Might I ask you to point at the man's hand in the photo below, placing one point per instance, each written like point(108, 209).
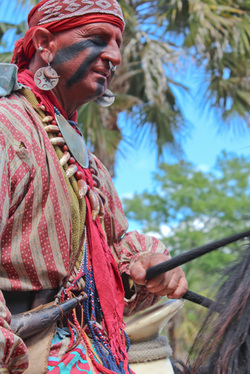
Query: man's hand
point(172, 283)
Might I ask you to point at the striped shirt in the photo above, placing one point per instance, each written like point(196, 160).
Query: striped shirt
point(36, 221)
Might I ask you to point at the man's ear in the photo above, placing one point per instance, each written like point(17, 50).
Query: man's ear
point(43, 43)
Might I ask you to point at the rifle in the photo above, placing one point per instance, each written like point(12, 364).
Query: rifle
point(30, 323)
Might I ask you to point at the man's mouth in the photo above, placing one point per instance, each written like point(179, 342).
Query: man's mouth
point(101, 72)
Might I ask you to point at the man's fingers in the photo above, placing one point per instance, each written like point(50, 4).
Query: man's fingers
point(181, 289)
point(173, 284)
point(158, 284)
point(138, 270)
point(167, 285)
point(138, 273)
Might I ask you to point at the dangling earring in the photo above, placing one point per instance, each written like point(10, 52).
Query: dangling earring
point(106, 99)
point(46, 78)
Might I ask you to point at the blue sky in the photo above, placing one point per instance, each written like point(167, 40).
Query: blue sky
point(135, 165)
point(10, 11)
point(207, 137)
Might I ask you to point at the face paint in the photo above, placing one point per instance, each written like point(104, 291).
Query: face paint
point(100, 83)
point(83, 69)
point(81, 60)
point(66, 54)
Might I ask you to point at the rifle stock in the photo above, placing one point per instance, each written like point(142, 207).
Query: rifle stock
point(30, 323)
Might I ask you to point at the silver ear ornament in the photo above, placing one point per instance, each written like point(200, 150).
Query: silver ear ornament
point(106, 99)
point(46, 78)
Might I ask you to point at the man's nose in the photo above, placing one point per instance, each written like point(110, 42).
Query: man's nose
point(112, 53)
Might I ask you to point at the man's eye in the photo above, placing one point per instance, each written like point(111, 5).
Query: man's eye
point(97, 39)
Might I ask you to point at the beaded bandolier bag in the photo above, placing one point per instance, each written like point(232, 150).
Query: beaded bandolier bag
point(91, 258)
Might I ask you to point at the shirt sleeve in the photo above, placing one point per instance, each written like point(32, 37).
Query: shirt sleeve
point(13, 352)
point(127, 247)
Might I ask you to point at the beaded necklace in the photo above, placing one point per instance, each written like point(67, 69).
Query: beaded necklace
point(73, 146)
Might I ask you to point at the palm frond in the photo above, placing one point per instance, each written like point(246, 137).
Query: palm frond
point(159, 36)
point(5, 57)
point(95, 132)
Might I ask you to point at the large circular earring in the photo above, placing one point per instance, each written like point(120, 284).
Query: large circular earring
point(106, 99)
point(46, 78)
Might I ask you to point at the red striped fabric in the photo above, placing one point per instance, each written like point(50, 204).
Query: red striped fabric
point(36, 222)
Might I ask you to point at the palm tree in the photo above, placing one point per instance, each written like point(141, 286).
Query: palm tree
point(215, 34)
point(143, 90)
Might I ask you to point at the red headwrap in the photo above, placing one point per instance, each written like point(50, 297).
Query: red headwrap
point(61, 15)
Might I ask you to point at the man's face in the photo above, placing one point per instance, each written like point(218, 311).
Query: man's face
point(82, 58)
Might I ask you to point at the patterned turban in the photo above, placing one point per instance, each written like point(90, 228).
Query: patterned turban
point(61, 15)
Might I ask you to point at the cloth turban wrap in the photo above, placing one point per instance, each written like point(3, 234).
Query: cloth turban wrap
point(61, 15)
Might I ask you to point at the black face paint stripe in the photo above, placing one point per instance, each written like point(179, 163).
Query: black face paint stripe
point(67, 53)
point(100, 83)
point(84, 67)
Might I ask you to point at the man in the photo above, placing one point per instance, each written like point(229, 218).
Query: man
point(62, 226)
